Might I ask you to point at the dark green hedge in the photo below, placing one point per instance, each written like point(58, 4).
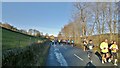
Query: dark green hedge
point(33, 55)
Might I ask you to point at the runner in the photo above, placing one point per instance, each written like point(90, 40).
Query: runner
point(59, 41)
point(55, 42)
point(109, 59)
point(114, 49)
point(104, 50)
point(68, 42)
point(72, 42)
point(90, 46)
point(85, 44)
point(52, 42)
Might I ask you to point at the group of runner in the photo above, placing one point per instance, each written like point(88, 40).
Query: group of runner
point(108, 51)
point(68, 42)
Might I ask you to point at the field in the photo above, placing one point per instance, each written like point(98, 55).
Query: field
point(12, 39)
point(19, 49)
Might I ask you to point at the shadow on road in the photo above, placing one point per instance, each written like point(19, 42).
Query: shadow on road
point(90, 65)
point(99, 56)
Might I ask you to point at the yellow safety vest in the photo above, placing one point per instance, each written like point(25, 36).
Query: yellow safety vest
point(58, 40)
point(104, 47)
point(114, 48)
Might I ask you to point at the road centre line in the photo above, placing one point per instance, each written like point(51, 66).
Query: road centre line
point(78, 57)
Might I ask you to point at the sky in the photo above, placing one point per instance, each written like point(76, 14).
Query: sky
point(47, 17)
point(60, 0)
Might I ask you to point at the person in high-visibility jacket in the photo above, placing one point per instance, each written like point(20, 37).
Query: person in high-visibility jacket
point(114, 49)
point(104, 51)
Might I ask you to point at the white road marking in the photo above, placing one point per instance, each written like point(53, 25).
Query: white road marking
point(78, 57)
point(60, 57)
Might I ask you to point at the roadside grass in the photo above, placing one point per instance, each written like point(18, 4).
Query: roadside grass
point(11, 39)
point(23, 50)
point(119, 56)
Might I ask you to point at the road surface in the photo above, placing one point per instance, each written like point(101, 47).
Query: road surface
point(66, 55)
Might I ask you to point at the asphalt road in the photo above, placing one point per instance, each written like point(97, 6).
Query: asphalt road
point(66, 55)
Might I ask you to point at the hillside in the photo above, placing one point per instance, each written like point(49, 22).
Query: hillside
point(13, 39)
point(22, 49)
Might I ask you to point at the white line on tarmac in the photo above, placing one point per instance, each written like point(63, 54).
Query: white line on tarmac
point(78, 57)
point(60, 57)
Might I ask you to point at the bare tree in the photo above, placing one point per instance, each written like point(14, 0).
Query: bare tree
point(90, 19)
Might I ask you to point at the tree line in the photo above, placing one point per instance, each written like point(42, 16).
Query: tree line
point(32, 32)
point(91, 18)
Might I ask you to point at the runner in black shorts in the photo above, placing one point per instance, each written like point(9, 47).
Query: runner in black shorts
point(104, 50)
point(85, 44)
point(90, 46)
point(114, 49)
point(109, 59)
